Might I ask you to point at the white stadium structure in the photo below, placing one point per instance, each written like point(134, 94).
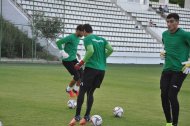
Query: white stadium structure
point(124, 23)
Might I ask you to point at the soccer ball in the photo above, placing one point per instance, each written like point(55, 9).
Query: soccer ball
point(72, 104)
point(96, 120)
point(118, 111)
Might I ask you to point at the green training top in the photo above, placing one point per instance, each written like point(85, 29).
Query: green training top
point(97, 50)
point(177, 47)
point(70, 46)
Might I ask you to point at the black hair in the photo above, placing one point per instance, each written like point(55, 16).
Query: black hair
point(173, 15)
point(80, 28)
point(87, 28)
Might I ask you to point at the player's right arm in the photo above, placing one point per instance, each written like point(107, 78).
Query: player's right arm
point(62, 41)
point(88, 54)
point(60, 44)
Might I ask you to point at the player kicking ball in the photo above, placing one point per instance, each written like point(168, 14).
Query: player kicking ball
point(97, 50)
point(69, 59)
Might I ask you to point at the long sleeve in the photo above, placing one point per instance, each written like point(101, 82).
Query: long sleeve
point(89, 52)
point(62, 41)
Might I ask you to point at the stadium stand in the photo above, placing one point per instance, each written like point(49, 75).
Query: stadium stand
point(173, 8)
point(131, 44)
point(145, 16)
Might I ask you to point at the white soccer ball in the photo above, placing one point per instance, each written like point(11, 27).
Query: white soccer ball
point(118, 111)
point(72, 104)
point(96, 120)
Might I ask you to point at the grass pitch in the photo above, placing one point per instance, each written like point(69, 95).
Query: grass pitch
point(34, 95)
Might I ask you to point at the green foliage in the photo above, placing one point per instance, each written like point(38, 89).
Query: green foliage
point(181, 3)
point(48, 28)
point(17, 44)
point(45, 26)
point(14, 42)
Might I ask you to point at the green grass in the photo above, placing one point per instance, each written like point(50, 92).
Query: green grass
point(34, 95)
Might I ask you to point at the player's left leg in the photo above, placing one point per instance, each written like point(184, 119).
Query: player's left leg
point(69, 66)
point(78, 77)
point(88, 79)
point(77, 83)
point(176, 83)
point(69, 88)
point(95, 82)
point(73, 86)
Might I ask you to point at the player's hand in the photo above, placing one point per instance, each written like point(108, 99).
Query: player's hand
point(79, 65)
point(186, 68)
point(163, 54)
point(64, 54)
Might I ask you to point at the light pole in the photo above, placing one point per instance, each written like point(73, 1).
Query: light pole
point(33, 33)
point(64, 18)
point(33, 30)
point(34, 37)
point(1, 29)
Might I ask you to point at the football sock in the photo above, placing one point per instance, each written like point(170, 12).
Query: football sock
point(68, 88)
point(72, 83)
point(77, 118)
point(168, 124)
point(76, 88)
point(87, 118)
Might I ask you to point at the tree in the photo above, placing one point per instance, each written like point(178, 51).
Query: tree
point(47, 27)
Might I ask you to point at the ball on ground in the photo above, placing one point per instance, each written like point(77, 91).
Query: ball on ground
point(96, 120)
point(72, 104)
point(118, 111)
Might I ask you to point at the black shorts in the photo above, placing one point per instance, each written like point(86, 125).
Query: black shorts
point(171, 78)
point(93, 77)
point(69, 65)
